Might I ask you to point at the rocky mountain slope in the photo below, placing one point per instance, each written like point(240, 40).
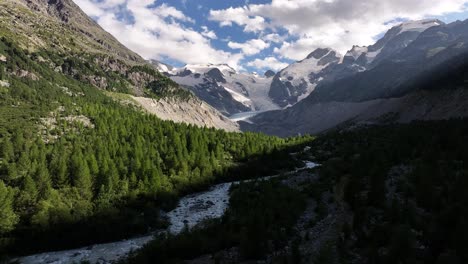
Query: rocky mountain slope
point(299, 79)
point(191, 111)
point(70, 42)
point(37, 20)
point(323, 66)
point(417, 76)
point(224, 88)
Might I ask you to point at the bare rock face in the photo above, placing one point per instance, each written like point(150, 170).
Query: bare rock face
point(4, 84)
point(67, 13)
point(316, 118)
point(25, 74)
point(415, 72)
point(140, 78)
point(299, 79)
point(58, 8)
point(93, 56)
point(97, 81)
point(269, 74)
point(193, 112)
point(222, 87)
point(323, 66)
point(111, 64)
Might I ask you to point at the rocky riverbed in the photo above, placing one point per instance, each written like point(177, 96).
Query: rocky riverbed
point(191, 210)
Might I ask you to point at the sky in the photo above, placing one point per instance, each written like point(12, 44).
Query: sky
point(256, 35)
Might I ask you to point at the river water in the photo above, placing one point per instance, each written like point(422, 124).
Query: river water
point(191, 210)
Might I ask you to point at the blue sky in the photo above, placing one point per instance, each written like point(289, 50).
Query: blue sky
point(255, 35)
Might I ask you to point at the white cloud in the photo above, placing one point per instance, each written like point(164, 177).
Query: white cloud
point(251, 47)
point(268, 63)
point(169, 11)
point(240, 16)
point(112, 3)
point(90, 8)
point(208, 33)
point(273, 37)
point(294, 27)
point(152, 35)
point(338, 24)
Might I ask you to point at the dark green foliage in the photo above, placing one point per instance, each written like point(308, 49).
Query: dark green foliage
point(104, 180)
point(259, 221)
point(8, 218)
point(159, 85)
point(406, 185)
point(165, 87)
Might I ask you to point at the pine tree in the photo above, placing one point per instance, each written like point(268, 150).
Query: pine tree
point(28, 196)
point(7, 151)
point(24, 164)
point(93, 165)
point(43, 181)
point(12, 172)
point(8, 218)
point(81, 176)
point(112, 183)
point(59, 171)
point(2, 71)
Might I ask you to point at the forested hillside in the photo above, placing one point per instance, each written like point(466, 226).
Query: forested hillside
point(384, 194)
point(73, 160)
point(63, 38)
point(405, 191)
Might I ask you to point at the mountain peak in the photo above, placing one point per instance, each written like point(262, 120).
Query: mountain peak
point(418, 25)
point(356, 52)
point(161, 67)
point(319, 53)
point(203, 68)
point(54, 14)
point(63, 10)
point(269, 73)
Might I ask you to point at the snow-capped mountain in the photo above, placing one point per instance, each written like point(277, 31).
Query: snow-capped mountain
point(298, 80)
point(396, 39)
point(233, 92)
point(161, 67)
point(224, 88)
point(417, 71)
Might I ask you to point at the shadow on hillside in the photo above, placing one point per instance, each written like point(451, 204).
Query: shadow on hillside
point(139, 215)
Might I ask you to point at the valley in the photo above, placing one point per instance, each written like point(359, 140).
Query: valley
point(186, 153)
point(191, 210)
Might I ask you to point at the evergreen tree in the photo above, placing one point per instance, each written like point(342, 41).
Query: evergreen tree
point(81, 176)
point(28, 196)
point(59, 171)
point(7, 152)
point(43, 181)
point(8, 218)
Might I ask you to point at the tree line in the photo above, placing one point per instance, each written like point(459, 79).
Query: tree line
point(90, 178)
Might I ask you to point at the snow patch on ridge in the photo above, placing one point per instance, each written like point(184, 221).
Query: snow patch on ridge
point(239, 97)
point(372, 55)
point(419, 26)
point(356, 52)
point(204, 68)
point(249, 89)
point(300, 70)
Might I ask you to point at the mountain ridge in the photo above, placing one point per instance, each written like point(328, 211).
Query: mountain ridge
point(227, 90)
point(62, 36)
point(289, 89)
point(397, 82)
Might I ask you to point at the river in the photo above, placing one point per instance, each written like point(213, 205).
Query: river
point(191, 210)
